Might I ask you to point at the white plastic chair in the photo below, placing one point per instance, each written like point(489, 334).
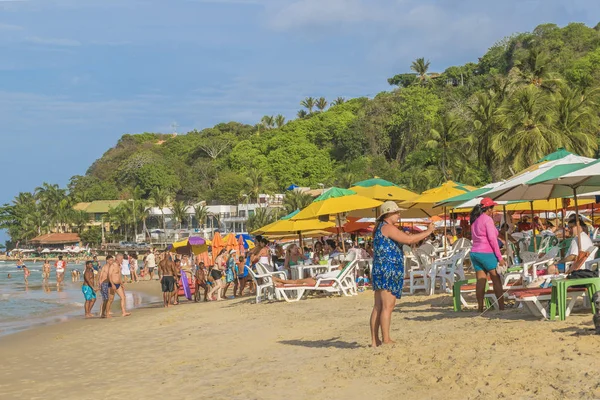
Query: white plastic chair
point(264, 281)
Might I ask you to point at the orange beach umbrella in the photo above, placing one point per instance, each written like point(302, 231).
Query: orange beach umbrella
point(217, 245)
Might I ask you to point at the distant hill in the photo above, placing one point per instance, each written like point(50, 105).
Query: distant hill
point(530, 94)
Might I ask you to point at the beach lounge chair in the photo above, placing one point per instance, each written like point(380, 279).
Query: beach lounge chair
point(537, 300)
point(264, 281)
point(344, 284)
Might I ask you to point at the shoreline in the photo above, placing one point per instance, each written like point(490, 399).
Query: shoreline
point(150, 292)
point(318, 347)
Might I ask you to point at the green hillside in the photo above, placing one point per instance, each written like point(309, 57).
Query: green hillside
point(530, 94)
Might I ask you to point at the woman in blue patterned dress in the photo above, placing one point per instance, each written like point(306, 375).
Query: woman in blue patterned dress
point(387, 274)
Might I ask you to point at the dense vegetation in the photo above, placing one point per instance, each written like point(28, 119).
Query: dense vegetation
point(528, 95)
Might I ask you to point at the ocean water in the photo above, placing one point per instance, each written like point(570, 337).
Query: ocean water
point(25, 306)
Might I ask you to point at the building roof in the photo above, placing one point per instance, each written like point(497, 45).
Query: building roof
point(81, 206)
point(98, 206)
point(57, 238)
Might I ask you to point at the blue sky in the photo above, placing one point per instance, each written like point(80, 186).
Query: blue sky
point(77, 74)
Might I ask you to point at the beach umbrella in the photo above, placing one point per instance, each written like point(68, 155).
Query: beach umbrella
point(231, 243)
point(548, 181)
point(217, 245)
point(241, 247)
point(426, 202)
point(383, 190)
point(191, 245)
point(336, 201)
point(205, 258)
point(287, 225)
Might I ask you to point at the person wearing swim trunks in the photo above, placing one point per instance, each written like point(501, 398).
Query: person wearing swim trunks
point(201, 282)
point(166, 268)
point(104, 285)
point(88, 289)
point(45, 271)
point(61, 267)
point(242, 276)
point(96, 269)
point(150, 263)
point(114, 277)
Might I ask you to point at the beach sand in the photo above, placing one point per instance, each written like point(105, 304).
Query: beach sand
point(316, 348)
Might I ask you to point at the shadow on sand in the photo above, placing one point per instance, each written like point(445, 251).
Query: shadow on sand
point(327, 343)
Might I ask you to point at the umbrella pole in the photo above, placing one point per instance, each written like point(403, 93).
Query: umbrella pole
point(507, 244)
point(533, 224)
point(577, 220)
point(444, 237)
point(339, 223)
point(593, 206)
point(300, 239)
point(564, 231)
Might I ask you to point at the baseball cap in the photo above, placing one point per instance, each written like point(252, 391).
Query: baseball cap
point(487, 202)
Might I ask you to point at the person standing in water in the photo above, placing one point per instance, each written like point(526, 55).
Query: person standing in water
point(26, 274)
point(61, 267)
point(388, 269)
point(88, 289)
point(45, 271)
point(114, 277)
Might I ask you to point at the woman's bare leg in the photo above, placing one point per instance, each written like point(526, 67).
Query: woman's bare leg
point(388, 302)
point(297, 282)
point(480, 288)
point(375, 319)
point(497, 282)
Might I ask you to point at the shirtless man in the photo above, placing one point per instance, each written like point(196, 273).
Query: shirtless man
point(105, 288)
point(114, 277)
point(166, 268)
point(61, 266)
point(45, 271)
point(200, 282)
point(88, 289)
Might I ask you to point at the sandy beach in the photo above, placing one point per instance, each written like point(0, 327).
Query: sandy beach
point(316, 348)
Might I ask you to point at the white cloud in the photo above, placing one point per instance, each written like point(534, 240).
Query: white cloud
point(52, 41)
point(9, 27)
point(310, 13)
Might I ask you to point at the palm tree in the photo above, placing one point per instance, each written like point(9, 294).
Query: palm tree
point(260, 218)
point(485, 114)
point(301, 113)
point(576, 120)
point(346, 180)
point(179, 212)
point(321, 103)
point(447, 137)
point(201, 213)
point(420, 66)
point(296, 200)
point(257, 182)
point(527, 132)
point(267, 121)
point(80, 219)
point(308, 103)
point(279, 120)
point(161, 200)
point(536, 70)
point(338, 101)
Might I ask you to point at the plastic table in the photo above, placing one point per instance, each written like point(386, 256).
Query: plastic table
point(558, 300)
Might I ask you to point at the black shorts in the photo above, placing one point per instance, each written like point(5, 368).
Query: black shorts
point(216, 274)
point(168, 284)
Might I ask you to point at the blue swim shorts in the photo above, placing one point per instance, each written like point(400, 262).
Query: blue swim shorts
point(484, 261)
point(88, 293)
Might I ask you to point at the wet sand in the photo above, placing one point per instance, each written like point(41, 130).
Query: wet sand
point(316, 348)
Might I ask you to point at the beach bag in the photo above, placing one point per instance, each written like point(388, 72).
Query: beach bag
point(580, 260)
point(582, 273)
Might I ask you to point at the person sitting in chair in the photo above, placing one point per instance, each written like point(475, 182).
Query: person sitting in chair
point(576, 230)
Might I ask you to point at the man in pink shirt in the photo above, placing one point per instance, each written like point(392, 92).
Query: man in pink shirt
point(485, 253)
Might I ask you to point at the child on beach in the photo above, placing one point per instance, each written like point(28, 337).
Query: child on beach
point(242, 276)
point(26, 273)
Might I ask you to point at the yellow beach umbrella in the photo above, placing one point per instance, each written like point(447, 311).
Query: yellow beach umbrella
point(383, 190)
point(287, 225)
point(337, 201)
